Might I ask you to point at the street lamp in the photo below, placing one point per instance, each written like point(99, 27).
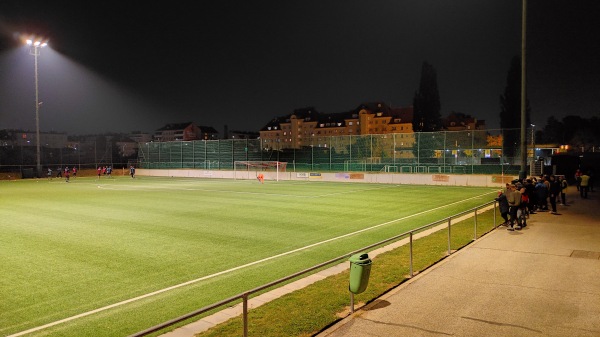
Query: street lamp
point(34, 49)
point(533, 140)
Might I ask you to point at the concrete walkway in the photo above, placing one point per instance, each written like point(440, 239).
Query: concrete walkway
point(541, 281)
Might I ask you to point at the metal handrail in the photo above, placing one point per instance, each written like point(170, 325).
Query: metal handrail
point(245, 295)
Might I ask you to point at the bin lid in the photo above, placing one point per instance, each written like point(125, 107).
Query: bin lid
point(362, 258)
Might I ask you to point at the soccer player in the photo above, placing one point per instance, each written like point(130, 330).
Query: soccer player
point(132, 171)
point(261, 178)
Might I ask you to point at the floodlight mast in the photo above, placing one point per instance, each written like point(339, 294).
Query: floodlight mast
point(34, 49)
point(523, 171)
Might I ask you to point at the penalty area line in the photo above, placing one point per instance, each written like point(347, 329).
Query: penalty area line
point(118, 304)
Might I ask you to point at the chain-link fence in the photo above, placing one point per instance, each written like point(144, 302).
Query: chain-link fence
point(472, 152)
point(87, 155)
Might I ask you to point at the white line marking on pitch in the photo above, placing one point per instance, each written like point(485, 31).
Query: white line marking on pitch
point(41, 327)
point(170, 187)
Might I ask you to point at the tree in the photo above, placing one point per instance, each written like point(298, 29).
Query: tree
point(426, 144)
point(583, 138)
point(510, 108)
point(553, 132)
point(426, 103)
point(572, 130)
point(573, 125)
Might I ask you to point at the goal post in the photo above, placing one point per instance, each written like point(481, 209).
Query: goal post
point(251, 169)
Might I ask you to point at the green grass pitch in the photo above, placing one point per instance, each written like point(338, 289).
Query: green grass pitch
point(114, 256)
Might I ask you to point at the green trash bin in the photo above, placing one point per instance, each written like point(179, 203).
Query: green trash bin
point(360, 269)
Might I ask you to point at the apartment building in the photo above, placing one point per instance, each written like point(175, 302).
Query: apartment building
point(185, 132)
point(54, 140)
point(308, 127)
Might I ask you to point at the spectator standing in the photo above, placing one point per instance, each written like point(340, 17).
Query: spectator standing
point(514, 201)
point(584, 185)
point(503, 207)
point(523, 211)
point(541, 193)
point(578, 178)
point(554, 192)
point(563, 190)
point(530, 188)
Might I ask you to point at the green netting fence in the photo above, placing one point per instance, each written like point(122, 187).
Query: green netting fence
point(460, 152)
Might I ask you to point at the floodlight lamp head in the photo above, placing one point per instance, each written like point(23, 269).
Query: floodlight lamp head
point(36, 41)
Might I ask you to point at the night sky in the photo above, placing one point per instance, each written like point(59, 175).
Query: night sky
point(120, 66)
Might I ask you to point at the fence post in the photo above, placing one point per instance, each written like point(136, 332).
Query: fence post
point(495, 222)
point(370, 155)
point(394, 148)
point(245, 314)
point(411, 253)
point(449, 234)
point(350, 152)
point(418, 147)
point(475, 230)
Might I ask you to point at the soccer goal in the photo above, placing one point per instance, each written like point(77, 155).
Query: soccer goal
point(251, 169)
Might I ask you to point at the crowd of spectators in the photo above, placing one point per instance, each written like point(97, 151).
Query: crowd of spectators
point(523, 197)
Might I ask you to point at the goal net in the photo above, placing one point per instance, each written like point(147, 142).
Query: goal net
point(251, 169)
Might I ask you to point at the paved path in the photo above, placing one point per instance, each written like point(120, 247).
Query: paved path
point(541, 281)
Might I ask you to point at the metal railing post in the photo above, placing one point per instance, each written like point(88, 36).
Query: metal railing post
point(495, 222)
point(475, 224)
point(449, 234)
point(245, 314)
point(411, 253)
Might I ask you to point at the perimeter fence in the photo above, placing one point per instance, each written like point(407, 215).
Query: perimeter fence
point(460, 152)
point(19, 159)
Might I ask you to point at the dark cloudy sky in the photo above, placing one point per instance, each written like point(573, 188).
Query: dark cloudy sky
point(132, 65)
